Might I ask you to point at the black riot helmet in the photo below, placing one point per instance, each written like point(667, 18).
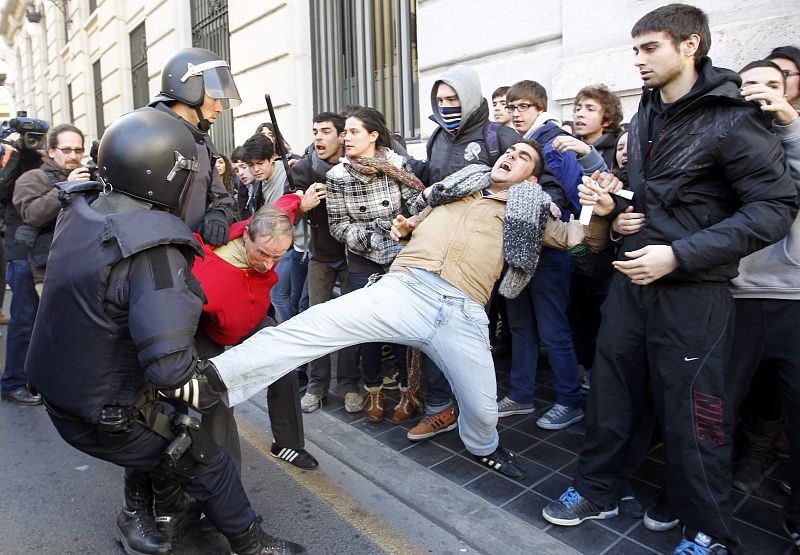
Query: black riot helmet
point(190, 73)
point(149, 155)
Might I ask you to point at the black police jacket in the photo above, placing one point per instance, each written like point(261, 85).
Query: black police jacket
point(710, 177)
point(117, 313)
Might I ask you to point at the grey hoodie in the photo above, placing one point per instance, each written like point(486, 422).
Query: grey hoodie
point(774, 271)
point(467, 84)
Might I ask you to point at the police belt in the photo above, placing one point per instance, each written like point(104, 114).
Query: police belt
point(144, 411)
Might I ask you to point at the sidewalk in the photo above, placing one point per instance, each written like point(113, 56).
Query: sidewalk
point(494, 514)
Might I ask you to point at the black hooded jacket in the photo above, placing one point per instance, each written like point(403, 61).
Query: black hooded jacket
point(709, 176)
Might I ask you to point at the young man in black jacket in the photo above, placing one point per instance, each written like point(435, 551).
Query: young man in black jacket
point(714, 186)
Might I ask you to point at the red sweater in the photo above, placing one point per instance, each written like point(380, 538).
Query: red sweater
point(238, 299)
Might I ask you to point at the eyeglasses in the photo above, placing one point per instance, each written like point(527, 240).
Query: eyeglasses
point(787, 73)
point(519, 107)
point(68, 151)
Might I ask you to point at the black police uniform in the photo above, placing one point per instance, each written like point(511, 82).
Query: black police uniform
point(116, 320)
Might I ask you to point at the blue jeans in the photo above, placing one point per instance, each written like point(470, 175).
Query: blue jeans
point(371, 368)
point(539, 313)
point(24, 304)
point(417, 309)
point(290, 295)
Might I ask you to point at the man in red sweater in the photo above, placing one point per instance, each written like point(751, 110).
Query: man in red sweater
point(236, 279)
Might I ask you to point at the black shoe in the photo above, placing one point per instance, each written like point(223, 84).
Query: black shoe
point(504, 462)
point(572, 508)
point(254, 541)
point(138, 534)
point(298, 457)
point(658, 516)
point(22, 396)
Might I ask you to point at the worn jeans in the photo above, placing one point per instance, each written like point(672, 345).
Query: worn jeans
point(418, 309)
point(290, 295)
point(24, 305)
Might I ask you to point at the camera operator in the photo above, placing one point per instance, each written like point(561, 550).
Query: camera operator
point(13, 385)
point(36, 205)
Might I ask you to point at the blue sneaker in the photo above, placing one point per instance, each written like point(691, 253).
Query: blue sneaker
point(702, 544)
point(571, 509)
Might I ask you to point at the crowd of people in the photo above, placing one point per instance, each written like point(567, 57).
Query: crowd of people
point(656, 263)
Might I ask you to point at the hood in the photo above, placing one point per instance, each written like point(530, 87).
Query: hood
point(50, 165)
point(467, 84)
point(539, 122)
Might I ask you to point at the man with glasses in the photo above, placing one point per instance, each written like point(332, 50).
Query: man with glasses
point(788, 59)
point(37, 203)
point(539, 314)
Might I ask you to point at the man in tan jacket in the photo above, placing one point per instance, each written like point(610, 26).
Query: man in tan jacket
point(433, 297)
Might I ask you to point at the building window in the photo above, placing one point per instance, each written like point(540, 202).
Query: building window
point(365, 52)
point(139, 77)
point(210, 31)
point(92, 6)
point(98, 98)
point(64, 7)
point(69, 103)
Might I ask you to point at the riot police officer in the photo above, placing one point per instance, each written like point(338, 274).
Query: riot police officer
point(115, 332)
point(196, 87)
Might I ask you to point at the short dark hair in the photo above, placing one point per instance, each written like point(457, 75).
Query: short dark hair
point(787, 52)
point(238, 154)
point(538, 168)
point(765, 63)
point(373, 120)
point(350, 109)
point(336, 119)
point(257, 147)
point(679, 21)
point(52, 138)
point(612, 107)
point(528, 90)
point(500, 91)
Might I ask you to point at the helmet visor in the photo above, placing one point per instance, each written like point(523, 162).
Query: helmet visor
point(219, 85)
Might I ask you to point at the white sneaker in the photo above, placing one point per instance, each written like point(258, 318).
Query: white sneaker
point(354, 402)
point(310, 402)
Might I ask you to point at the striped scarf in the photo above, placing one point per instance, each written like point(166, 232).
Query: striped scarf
point(380, 164)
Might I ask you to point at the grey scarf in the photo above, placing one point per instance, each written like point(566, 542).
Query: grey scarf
point(527, 210)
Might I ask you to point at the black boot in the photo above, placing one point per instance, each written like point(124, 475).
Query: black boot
point(174, 510)
point(753, 441)
point(136, 529)
point(254, 541)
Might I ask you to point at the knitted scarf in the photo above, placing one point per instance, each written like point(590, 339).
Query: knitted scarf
point(527, 211)
point(380, 164)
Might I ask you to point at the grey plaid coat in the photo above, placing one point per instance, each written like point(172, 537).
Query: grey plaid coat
point(361, 209)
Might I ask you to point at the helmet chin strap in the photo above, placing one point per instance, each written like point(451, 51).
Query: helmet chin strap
point(202, 123)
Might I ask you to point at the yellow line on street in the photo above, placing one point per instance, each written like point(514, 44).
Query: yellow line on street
point(379, 531)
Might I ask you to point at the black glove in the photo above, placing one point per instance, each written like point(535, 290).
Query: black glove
point(203, 389)
point(215, 230)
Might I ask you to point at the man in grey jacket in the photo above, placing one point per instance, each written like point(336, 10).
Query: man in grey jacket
point(767, 299)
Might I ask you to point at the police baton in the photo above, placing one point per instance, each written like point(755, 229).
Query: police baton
point(279, 144)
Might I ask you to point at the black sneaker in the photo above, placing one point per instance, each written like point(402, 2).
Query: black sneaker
point(793, 529)
point(572, 508)
point(298, 457)
point(504, 462)
point(699, 543)
point(658, 516)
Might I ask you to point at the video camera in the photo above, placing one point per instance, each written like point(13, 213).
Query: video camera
point(33, 133)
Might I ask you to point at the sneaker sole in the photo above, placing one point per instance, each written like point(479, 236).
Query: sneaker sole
point(657, 525)
point(417, 437)
point(516, 411)
point(605, 515)
point(560, 425)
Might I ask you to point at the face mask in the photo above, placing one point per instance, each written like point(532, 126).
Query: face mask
point(451, 117)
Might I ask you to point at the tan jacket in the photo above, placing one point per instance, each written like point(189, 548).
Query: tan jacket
point(462, 242)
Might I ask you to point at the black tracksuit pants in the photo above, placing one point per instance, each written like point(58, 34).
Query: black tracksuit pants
point(676, 336)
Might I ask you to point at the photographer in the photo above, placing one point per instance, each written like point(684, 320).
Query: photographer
point(22, 156)
point(36, 206)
